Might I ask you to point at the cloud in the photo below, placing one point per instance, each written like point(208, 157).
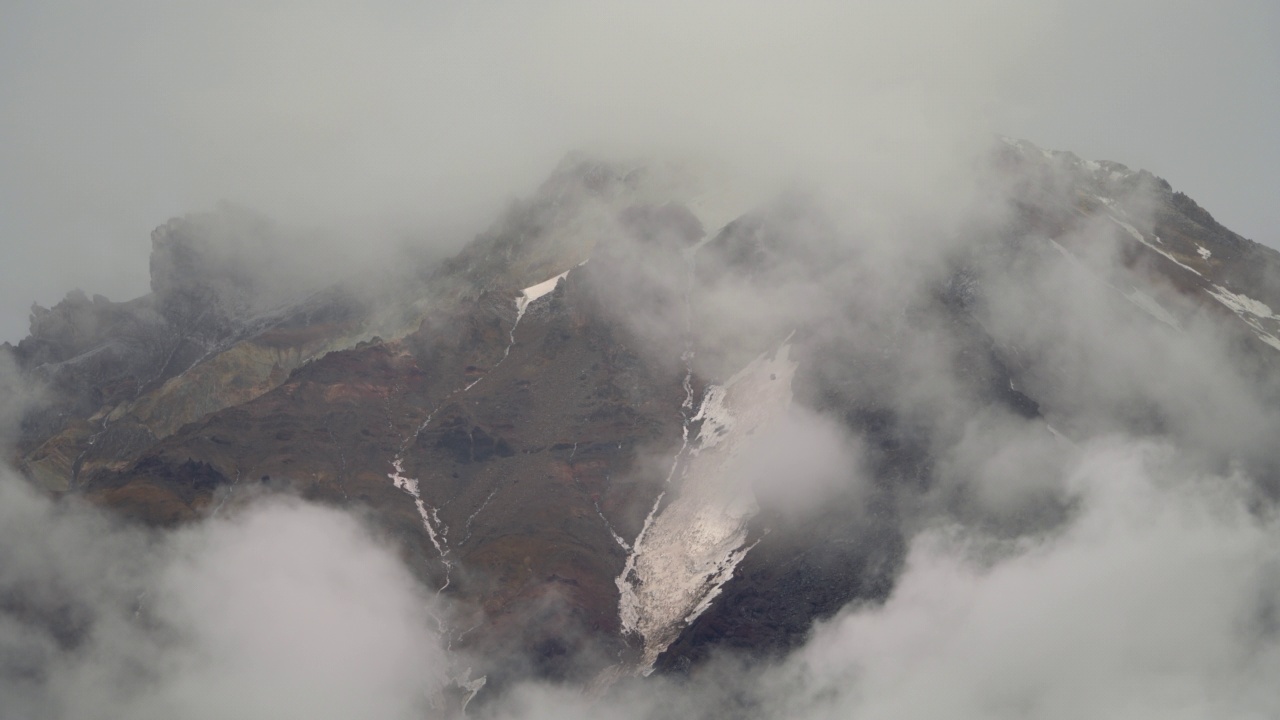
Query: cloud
point(284, 610)
point(18, 395)
point(1157, 600)
point(391, 121)
point(795, 464)
point(1045, 579)
point(1099, 363)
point(386, 121)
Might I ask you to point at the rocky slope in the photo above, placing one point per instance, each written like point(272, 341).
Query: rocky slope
point(556, 425)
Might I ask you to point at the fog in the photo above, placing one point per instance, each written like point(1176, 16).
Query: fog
point(390, 122)
point(287, 610)
point(1114, 552)
point(1158, 600)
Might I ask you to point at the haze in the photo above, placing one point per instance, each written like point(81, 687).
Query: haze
point(1111, 553)
point(404, 122)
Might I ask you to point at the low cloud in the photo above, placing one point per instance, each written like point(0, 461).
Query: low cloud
point(1126, 566)
point(1157, 600)
point(799, 462)
point(284, 610)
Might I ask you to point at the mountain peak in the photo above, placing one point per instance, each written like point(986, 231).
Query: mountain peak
point(633, 425)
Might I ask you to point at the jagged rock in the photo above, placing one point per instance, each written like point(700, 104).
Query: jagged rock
point(515, 443)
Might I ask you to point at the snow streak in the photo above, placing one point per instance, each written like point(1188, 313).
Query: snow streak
point(690, 545)
point(437, 531)
point(690, 548)
point(1252, 312)
point(628, 601)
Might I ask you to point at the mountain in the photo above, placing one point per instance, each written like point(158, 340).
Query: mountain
point(638, 422)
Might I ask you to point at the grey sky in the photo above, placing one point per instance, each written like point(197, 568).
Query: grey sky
point(389, 116)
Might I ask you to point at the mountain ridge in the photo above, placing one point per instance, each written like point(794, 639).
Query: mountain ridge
point(536, 405)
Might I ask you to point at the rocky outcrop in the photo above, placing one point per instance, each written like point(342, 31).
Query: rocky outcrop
point(545, 423)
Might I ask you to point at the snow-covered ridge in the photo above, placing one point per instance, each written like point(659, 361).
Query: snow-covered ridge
point(688, 551)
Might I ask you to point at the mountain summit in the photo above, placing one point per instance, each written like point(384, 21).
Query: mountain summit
point(641, 423)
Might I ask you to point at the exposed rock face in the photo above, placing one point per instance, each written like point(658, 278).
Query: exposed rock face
point(548, 426)
point(120, 376)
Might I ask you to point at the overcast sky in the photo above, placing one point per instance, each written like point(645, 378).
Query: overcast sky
point(393, 116)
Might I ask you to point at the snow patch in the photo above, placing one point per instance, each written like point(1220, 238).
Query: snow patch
point(685, 554)
point(523, 301)
point(1249, 310)
point(533, 292)
point(1203, 251)
point(430, 519)
point(716, 419)
point(1241, 304)
point(473, 687)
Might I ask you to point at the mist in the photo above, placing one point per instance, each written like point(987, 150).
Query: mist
point(284, 610)
point(389, 123)
point(1100, 538)
point(1157, 600)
